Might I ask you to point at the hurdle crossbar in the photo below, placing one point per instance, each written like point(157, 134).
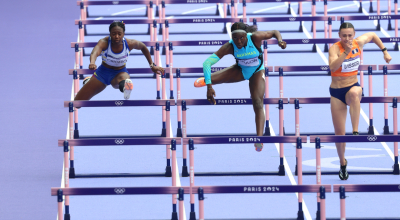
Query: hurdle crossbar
point(119, 103)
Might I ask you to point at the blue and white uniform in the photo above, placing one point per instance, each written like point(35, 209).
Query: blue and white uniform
point(248, 58)
point(106, 75)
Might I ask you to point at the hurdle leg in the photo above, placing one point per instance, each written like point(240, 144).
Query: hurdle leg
point(314, 25)
point(396, 147)
point(396, 26)
point(59, 203)
point(267, 131)
point(299, 168)
point(371, 113)
point(232, 9)
point(326, 49)
point(389, 13)
point(174, 213)
point(322, 198)
point(244, 10)
point(362, 72)
point(168, 171)
point(281, 171)
point(181, 209)
point(360, 9)
point(191, 156)
point(184, 134)
point(67, 216)
point(179, 110)
point(386, 105)
point(71, 132)
point(201, 203)
point(81, 40)
point(342, 202)
point(371, 9)
point(297, 129)
point(225, 10)
point(288, 9)
point(318, 173)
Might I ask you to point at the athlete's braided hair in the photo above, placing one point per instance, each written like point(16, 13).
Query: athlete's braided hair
point(346, 25)
point(117, 23)
point(245, 27)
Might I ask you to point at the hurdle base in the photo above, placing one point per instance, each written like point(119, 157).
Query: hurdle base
point(151, 51)
point(174, 216)
point(362, 172)
point(396, 170)
point(281, 171)
point(168, 171)
point(386, 130)
point(318, 215)
point(192, 216)
point(72, 173)
point(163, 49)
point(326, 48)
point(295, 170)
point(371, 130)
point(179, 132)
point(164, 132)
point(396, 46)
point(300, 215)
point(236, 174)
point(76, 134)
point(267, 131)
point(314, 48)
point(67, 217)
point(118, 175)
point(185, 172)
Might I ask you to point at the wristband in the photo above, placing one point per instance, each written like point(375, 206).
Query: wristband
point(152, 65)
point(345, 53)
point(384, 49)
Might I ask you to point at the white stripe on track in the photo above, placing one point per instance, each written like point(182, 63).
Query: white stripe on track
point(268, 9)
point(199, 9)
point(123, 12)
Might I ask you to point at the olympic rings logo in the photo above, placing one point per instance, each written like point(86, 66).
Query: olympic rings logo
point(372, 138)
point(119, 103)
point(306, 41)
point(119, 141)
point(115, 2)
point(324, 67)
point(292, 19)
point(119, 190)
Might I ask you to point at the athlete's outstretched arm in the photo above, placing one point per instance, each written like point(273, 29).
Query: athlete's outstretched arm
point(265, 35)
point(213, 59)
point(101, 45)
point(371, 36)
point(138, 45)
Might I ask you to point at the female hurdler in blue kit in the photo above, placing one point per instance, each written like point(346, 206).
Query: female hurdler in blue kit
point(114, 51)
point(245, 46)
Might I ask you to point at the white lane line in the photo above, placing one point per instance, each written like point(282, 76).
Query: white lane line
point(200, 9)
point(123, 12)
point(312, 145)
point(307, 214)
point(327, 162)
point(98, 18)
point(346, 6)
point(271, 8)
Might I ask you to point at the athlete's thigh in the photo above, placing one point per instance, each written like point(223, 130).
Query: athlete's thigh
point(257, 85)
point(90, 89)
point(228, 75)
point(355, 91)
point(339, 114)
point(118, 78)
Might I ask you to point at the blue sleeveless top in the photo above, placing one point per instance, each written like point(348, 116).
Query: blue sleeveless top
point(249, 58)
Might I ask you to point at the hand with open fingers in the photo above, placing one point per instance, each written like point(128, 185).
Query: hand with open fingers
point(157, 69)
point(211, 95)
point(387, 57)
point(282, 44)
point(92, 66)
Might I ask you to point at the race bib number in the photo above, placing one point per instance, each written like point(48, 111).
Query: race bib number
point(350, 65)
point(249, 62)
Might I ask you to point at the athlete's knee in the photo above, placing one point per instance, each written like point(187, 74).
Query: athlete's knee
point(257, 103)
point(353, 97)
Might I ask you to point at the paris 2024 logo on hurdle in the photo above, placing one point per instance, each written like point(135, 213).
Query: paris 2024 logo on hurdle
point(119, 190)
point(261, 189)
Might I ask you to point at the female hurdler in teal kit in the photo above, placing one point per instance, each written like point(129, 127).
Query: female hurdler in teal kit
point(245, 46)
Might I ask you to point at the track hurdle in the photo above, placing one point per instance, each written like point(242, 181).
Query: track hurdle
point(225, 3)
point(241, 140)
point(183, 130)
point(370, 17)
point(357, 138)
point(85, 11)
point(117, 103)
point(244, 2)
point(119, 191)
point(325, 68)
point(294, 19)
point(343, 188)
